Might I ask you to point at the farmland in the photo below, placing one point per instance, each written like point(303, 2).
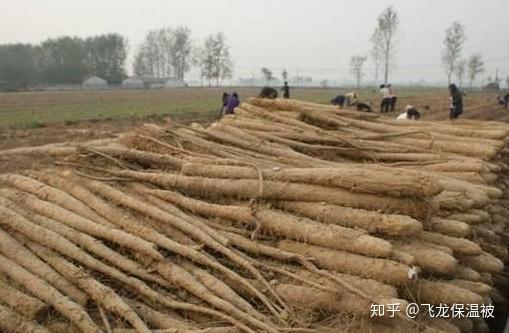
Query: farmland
point(37, 109)
point(38, 118)
point(290, 216)
point(42, 117)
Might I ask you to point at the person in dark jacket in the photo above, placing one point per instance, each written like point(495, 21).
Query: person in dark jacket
point(224, 100)
point(268, 92)
point(392, 96)
point(385, 104)
point(232, 102)
point(504, 100)
point(286, 90)
point(345, 100)
point(456, 99)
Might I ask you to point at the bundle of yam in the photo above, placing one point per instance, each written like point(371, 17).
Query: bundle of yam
point(287, 217)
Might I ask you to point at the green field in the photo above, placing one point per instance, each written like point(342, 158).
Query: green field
point(39, 109)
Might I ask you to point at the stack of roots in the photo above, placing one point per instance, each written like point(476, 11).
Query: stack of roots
point(287, 217)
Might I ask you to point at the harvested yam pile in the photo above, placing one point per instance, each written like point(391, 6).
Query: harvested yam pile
point(287, 217)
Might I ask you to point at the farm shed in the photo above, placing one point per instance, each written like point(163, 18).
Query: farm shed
point(153, 82)
point(133, 83)
point(95, 83)
point(175, 83)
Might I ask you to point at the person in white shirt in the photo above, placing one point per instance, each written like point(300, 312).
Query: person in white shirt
point(386, 99)
point(410, 113)
point(350, 98)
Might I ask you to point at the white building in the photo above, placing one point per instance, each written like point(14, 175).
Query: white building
point(95, 83)
point(133, 83)
point(175, 83)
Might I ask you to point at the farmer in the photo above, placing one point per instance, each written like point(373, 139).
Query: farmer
point(224, 100)
point(232, 102)
point(351, 97)
point(268, 92)
point(410, 113)
point(456, 99)
point(504, 100)
point(392, 96)
point(286, 90)
point(344, 100)
point(386, 99)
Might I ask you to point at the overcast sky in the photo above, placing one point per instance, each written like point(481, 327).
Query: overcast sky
point(312, 37)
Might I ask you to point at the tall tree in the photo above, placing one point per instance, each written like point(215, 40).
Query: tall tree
point(376, 52)
point(356, 68)
point(180, 51)
point(105, 57)
point(475, 67)
point(63, 60)
point(267, 74)
point(284, 75)
point(154, 56)
point(19, 64)
point(460, 70)
point(214, 59)
point(453, 42)
point(385, 33)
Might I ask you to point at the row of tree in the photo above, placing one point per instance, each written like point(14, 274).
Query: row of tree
point(382, 52)
point(169, 52)
point(164, 53)
point(451, 56)
point(64, 60)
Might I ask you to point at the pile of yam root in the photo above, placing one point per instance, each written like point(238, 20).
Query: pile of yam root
point(286, 217)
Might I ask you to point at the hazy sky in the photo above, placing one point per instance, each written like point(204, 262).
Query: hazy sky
point(315, 38)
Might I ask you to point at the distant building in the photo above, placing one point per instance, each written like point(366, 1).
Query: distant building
point(492, 86)
point(133, 83)
point(153, 82)
point(162, 82)
point(173, 82)
point(95, 83)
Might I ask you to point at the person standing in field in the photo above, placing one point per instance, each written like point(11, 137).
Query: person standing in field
point(456, 99)
point(386, 99)
point(392, 96)
point(223, 105)
point(286, 90)
point(232, 102)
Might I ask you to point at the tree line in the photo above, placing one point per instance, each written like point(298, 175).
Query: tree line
point(383, 45)
point(64, 60)
point(163, 53)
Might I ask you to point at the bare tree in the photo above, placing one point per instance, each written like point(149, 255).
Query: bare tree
point(180, 51)
point(453, 42)
point(507, 81)
point(376, 51)
point(267, 74)
point(154, 54)
point(356, 68)
point(284, 75)
point(385, 39)
point(214, 58)
point(460, 70)
point(475, 66)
